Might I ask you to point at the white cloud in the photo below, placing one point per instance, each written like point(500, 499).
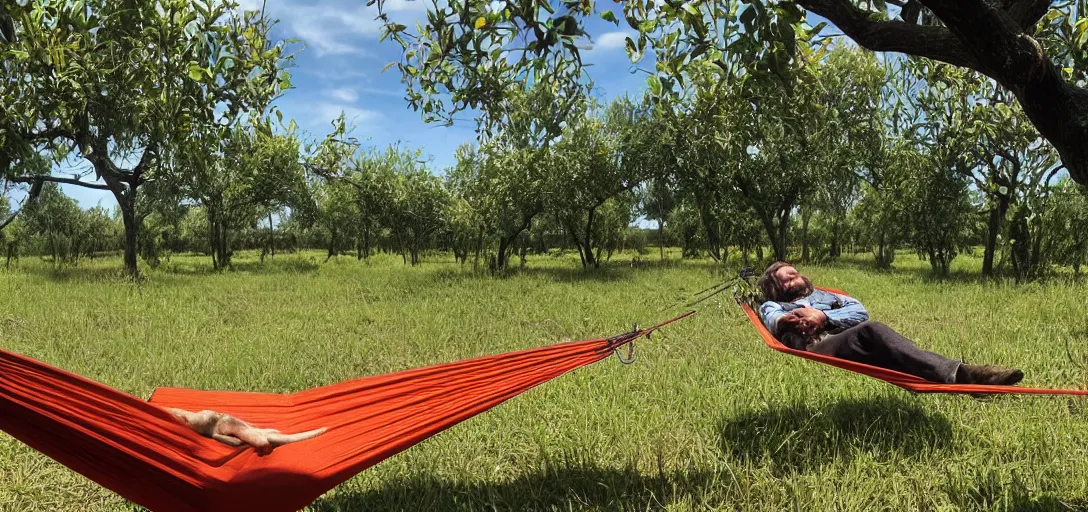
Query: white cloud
point(250, 5)
point(334, 32)
point(325, 112)
point(407, 6)
point(338, 74)
point(611, 41)
point(344, 94)
point(398, 93)
point(339, 27)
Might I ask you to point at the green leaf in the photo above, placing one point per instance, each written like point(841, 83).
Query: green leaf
point(632, 52)
point(196, 72)
point(654, 83)
point(610, 17)
point(480, 22)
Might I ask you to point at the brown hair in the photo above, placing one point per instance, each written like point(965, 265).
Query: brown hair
point(772, 289)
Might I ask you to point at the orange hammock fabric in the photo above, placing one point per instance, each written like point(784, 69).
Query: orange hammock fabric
point(903, 380)
point(139, 451)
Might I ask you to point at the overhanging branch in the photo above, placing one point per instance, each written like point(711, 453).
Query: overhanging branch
point(53, 179)
point(993, 39)
point(877, 35)
point(11, 218)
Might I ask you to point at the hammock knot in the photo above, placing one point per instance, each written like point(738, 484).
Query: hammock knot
point(626, 339)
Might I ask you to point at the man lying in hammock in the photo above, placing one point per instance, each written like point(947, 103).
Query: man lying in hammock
point(836, 325)
point(235, 432)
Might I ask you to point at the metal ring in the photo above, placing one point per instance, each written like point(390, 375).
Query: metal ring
point(630, 358)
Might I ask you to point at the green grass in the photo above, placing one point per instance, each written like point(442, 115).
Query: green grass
point(708, 418)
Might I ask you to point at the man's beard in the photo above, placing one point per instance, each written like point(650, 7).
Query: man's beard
point(794, 292)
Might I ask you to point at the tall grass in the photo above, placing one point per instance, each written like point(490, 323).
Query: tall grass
point(707, 418)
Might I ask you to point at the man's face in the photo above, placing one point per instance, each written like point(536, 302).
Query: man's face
point(791, 281)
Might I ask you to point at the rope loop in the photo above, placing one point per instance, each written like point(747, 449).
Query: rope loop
point(629, 337)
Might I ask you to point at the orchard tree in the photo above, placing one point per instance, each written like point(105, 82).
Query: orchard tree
point(57, 220)
point(335, 213)
point(475, 50)
point(416, 202)
point(658, 202)
point(120, 86)
point(596, 161)
point(851, 83)
point(937, 208)
point(1066, 217)
point(239, 174)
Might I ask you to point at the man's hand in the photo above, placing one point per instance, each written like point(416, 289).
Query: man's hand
point(811, 320)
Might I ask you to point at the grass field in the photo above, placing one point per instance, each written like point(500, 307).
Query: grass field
point(708, 418)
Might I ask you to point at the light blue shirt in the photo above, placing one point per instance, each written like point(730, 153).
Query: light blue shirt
point(842, 311)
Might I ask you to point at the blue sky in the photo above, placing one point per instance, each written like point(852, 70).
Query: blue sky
point(340, 69)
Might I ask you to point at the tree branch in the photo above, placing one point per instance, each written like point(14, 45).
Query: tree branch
point(993, 38)
point(51, 134)
point(150, 152)
point(1026, 13)
point(11, 218)
point(1017, 61)
point(992, 41)
point(936, 43)
point(52, 179)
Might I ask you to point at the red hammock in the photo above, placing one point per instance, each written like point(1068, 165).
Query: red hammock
point(141, 452)
point(903, 380)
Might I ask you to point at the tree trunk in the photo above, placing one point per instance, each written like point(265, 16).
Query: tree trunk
point(501, 257)
point(271, 237)
point(224, 245)
point(590, 259)
point(577, 243)
point(366, 244)
point(211, 238)
point(881, 260)
point(835, 249)
point(332, 245)
point(479, 247)
point(128, 216)
point(777, 235)
point(506, 245)
point(782, 247)
point(221, 253)
point(661, 237)
point(710, 224)
point(993, 228)
point(805, 217)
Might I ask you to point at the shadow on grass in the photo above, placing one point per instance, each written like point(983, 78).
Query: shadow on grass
point(285, 265)
point(614, 271)
point(566, 486)
point(802, 438)
point(73, 273)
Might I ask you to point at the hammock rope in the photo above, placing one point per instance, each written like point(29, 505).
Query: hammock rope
point(903, 380)
point(136, 449)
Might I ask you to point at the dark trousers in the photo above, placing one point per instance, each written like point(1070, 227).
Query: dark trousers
point(876, 344)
